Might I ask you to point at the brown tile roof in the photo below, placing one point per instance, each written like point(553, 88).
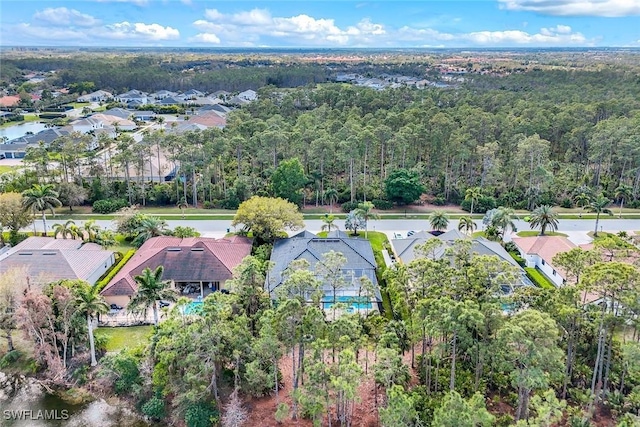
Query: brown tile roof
point(209, 119)
point(192, 259)
point(546, 247)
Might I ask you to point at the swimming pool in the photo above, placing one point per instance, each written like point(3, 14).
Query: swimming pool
point(194, 307)
point(353, 302)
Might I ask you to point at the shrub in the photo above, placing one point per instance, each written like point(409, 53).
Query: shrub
point(9, 358)
point(107, 206)
point(349, 206)
point(154, 408)
point(482, 205)
point(102, 283)
point(521, 262)
point(52, 115)
point(567, 203)
point(383, 205)
point(201, 415)
point(439, 201)
point(538, 278)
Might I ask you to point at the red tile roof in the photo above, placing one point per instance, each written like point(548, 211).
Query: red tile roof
point(192, 259)
point(209, 119)
point(546, 247)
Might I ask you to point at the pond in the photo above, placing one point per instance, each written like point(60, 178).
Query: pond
point(19, 130)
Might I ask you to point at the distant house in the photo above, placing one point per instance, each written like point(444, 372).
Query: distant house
point(405, 249)
point(118, 112)
point(192, 93)
point(144, 116)
point(220, 109)
point(172, 100)
point(17, 148)
point(132, 97)
point(115, 121)
point(162, 94)
point(308, 246)
point(197, 265)
point(248, 95)
point(97, 96)
point(86, 125)
point(49, 260)
point(209, 119)
point(539, 251)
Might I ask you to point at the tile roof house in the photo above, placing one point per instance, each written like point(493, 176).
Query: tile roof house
point(405, 249)
point(133, 96)
point(196, 265)
point(49, 260)
point(308, 246)
point(97, 96)
point(209, 119)
point(539, 251)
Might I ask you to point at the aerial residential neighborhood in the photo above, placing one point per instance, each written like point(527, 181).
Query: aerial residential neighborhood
point(305, 214)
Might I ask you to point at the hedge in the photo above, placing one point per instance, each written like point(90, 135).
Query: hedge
point(516, 256)
point(382, 205)
point(538, 278)
point(107, 206)
point(106, 279)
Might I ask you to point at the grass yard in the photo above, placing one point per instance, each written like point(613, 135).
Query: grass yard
point(532, 233)
point(125, 337)
point(122, 245)
point(6, 168)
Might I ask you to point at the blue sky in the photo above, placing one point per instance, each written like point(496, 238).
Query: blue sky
point(304, 23)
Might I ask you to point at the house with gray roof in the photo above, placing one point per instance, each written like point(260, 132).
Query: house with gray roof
point(360, 262)
point(405, 249)
point(49, 260)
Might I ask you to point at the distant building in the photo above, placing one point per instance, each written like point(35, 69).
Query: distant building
point(539, 251)
point(97, 96)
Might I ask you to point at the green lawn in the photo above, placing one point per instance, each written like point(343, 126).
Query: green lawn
point(122, 246)
point(532, 233)
point(478, 234)
point(5, 168)
point(125, 337)
point(79, 104)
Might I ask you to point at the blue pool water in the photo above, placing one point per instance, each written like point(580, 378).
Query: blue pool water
point(353, 302)
point(194, 307)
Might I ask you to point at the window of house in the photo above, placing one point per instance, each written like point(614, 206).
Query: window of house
point(554, 272)
point(542, 262)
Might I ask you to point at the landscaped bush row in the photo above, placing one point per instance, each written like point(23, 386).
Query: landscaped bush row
point(383, 205)
point(52, 115)
point(538, 278)
point(107, 206)
point(106, 279)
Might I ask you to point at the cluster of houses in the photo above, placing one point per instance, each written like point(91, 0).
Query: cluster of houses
point(386, 81)
point(199, 266)
point(204, 112)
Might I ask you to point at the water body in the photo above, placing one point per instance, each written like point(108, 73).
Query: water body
point(21, 130)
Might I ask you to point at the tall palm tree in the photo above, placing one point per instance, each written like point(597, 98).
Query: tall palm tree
point(544, 217)
point(623, 193)
point(149, 227)
point(151, 289)
point(582, 199)
point(332, 195)
point(467, 224)
point(365, 211)
point(473, 194)
point(68, 229)
point(599, 206)
point(41, 198)
point(90, 303)
point(439, 220)
point(329, 223)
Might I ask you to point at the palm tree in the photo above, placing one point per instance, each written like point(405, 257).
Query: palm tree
point(365, 211)
point(544, 217)
point(67, 229)
point(582, 199)
point(182, 205)
point(503, 219)
point(90, 230)
point(439, 220)
point(332, 195)
point(329, 223)
point(473, 194)
point(623, 192)
point(105, 238)
point(599, 205)
point(466, 223)
point(41, 198)
point(90, 303)
point(149, 227)
point(151, 289)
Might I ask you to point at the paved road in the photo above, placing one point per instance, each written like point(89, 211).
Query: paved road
point(217, 228)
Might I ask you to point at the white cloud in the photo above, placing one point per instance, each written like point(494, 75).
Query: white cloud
point(63, 17)
point(606, 8)
point(136, 2)
point(208, 38)
point(35, 32)
point(126, 30)
point(516, 37)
